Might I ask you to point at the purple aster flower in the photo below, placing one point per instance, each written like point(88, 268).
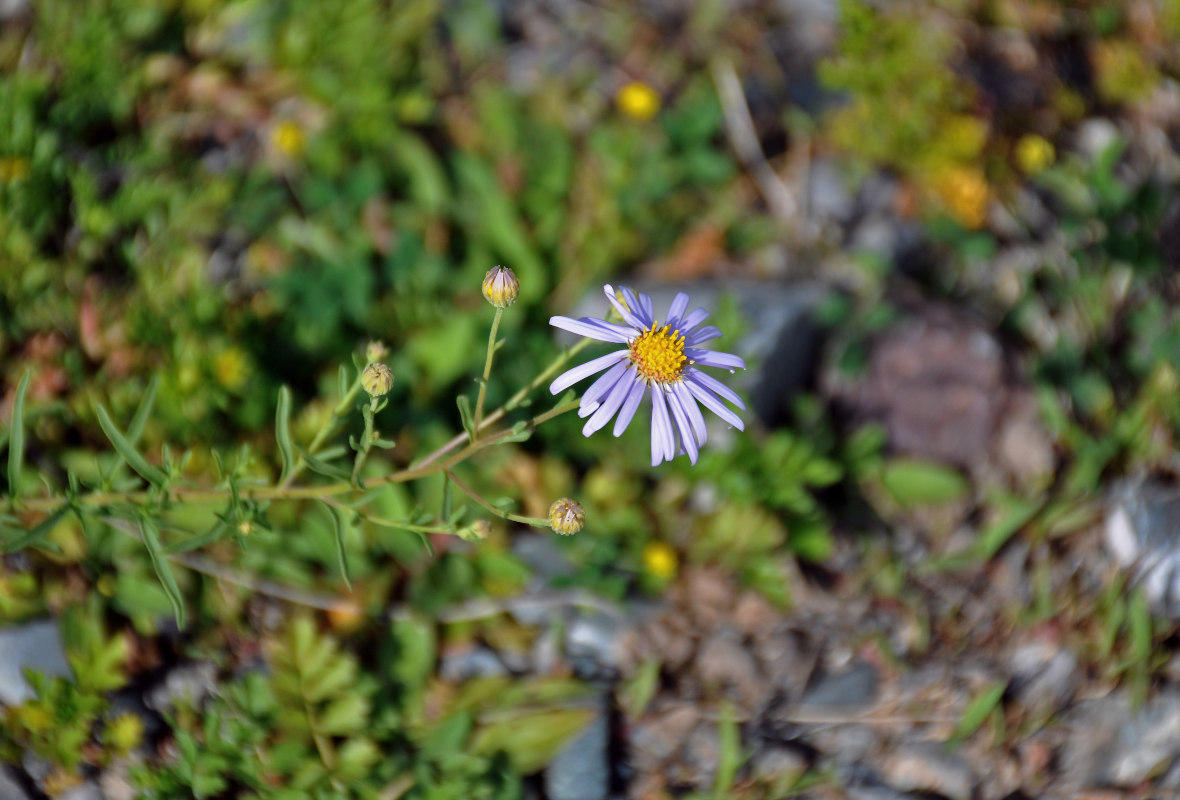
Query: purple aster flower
point(660, 359)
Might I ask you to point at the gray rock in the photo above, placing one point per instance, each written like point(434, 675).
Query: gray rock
point(852, 687)
point(469, 663)
point(657, 738)
point(1116, 745)
point(724, 661)
point(581, 771)
point(775, 761)
point(928, 767)
point(1142, 533)
point(1044, 676)
point(594, 644)
point(545, 559)
point(861, 783)
point(829, 198)
point(190, 683)
point(10, 787)
point(85, 791)
point(34, 645)
point(1095, 135)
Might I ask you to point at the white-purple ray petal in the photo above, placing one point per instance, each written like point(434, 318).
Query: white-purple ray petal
point(707, 381)
point(610, 405)
point(679, 303)
point(600, 387)
point(712, 358)
point(629, 316)
point(630, 405)
point(709, 401)
point(582, 371)
point(694, 413)
point(702, 335)
point(687, 440)
point(663, 444)
point(641, 309)
point(592, 328)
point(649, 309)
point(694, 318)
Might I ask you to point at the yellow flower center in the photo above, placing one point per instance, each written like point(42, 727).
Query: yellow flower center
point(658, 354)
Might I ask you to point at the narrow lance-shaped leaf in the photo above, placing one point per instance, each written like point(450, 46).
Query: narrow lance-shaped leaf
point(341, 550)
point(151, 540)
point(143, 413)
point(977, 711)
point(518, 433)
point(465, 415)
point(127, 450)
point(16, 441)
point(283, 432)
point(198, 541)
point(323, 467)
point(39, 532)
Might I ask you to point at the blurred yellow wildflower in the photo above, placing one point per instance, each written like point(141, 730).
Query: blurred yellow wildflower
point(964, 194)
point(660, 560)
point(288, 138)
point(231, 367)
point(638, 101)
point(124, 733)
point(13, 169)
point(1034, 153)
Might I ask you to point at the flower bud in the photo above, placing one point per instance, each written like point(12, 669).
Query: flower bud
point(501, 287)
point(377, 380)
point(375, 351)
point(476, 531)
point(566, 516)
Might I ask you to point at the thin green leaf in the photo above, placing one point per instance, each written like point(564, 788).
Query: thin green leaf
point(730, 755)
point(324, 468)
point(283, 432)
point(16, 443)
point(978, 711)
point(151, 540)
point(448, 496)
point(518, 433)
point(127, 450)
point(465, 415)
point(197, 542)
point(1139, 628)
point(40, 531)
point(1015, 512)
point(139, 421)
point(341, 550)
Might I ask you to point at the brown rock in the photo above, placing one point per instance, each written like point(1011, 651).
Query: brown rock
point(659, 737)
point(724, 661)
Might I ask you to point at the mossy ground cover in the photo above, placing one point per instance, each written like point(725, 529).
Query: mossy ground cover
point(208, 209)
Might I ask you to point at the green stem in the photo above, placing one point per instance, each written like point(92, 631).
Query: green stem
point(283, 492)
point(487, 372)
point(342, 408)
point(540, 522)
point(366, 442)
point(512, 403)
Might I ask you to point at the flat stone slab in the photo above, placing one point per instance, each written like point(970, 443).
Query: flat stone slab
point(36, 645)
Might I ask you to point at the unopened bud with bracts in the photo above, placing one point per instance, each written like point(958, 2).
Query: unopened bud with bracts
point(476, 531)
point(501, 287)
point(375, 351)
point(567, 516)
point(377, 379)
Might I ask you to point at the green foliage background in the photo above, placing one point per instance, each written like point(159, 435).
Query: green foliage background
point(205, 201)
